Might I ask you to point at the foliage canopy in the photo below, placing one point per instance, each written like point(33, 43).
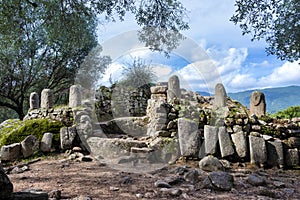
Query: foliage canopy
point(277, 21)
point(44, 42)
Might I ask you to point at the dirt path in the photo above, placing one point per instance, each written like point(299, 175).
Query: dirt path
point(98, 181)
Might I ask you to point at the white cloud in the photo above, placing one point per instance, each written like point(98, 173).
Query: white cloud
point(242, 81)
point(113, 71)
point(162, 72)
point(201, 75)
point(287, 74)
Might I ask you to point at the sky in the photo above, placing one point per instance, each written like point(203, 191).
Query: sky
point(215, 51)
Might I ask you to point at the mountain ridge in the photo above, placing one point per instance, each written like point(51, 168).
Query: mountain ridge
point(277, 98)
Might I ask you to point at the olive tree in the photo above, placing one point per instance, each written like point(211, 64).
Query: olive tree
point(276, 21)
point(44, 42)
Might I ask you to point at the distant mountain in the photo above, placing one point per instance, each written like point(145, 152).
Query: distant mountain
point(277, 98)
point(204, 93)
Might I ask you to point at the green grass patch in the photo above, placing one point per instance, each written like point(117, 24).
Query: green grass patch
point(37, 127)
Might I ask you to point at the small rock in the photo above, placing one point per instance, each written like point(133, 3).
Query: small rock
point(267, 137)
point(288, 192)
point(268, 192)
point(55, 194)
point(149, 195)
point(256, 180)
point(279, 184)
point(171, 191)
point(18, 170)
point(86, 159)
point(226, 164)
point(139, 196)
point(192, 176)
point(185, 196)
point(83, 197)
point(72, 157)
point(113, 188)
point(174, 180)
point(77, 149)
point(126, 181)
point(162, 184)
point(181, 170)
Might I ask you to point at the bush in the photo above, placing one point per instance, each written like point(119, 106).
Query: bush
point(288, 113)
point(35, 127)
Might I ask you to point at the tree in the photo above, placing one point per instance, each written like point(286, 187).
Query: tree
point(92, 68)
point(137, 74)
point(277, 21)
point(43, 43)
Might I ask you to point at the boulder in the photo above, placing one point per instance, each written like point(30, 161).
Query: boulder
point(256, 180)
point(67, 137)
point(222, 181)
point(29, 146)
point(210, 163)
point(46, 142)
point(10, 152)
point(6, 187)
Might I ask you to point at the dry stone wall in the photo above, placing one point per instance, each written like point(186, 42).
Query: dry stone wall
point(225, 128)
point(119, 101)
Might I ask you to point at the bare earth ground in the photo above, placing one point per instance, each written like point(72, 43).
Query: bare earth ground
point(98, 181)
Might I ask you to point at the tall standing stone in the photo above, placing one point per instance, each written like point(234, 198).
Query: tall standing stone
point(220, 96)
point(275, 153)
point(173, 88)
point(258, 151)
point(34, 101)
point(226, 145)
point(189, 137)
point(47, 99)
point(75, 96)
point(219, 106)
point(239, 140)
point(210, 139)
point(257, 104)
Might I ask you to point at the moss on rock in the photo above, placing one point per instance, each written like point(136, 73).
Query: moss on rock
point(36, 127)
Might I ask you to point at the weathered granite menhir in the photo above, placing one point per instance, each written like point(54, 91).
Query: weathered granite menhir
point(34, 101)
point(173, 88)
point(257, 104)
point(47, 99)
point(75, 96)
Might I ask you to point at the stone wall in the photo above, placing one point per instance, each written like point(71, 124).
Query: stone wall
point(63, 114)
point(119, 101)
point(214, 125)
point(223, 127)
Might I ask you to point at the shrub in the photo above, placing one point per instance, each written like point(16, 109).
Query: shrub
point(288, 113)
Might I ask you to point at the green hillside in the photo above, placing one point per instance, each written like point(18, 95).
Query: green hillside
point(277, 98)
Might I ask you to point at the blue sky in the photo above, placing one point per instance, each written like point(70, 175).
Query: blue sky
point(231, 57)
